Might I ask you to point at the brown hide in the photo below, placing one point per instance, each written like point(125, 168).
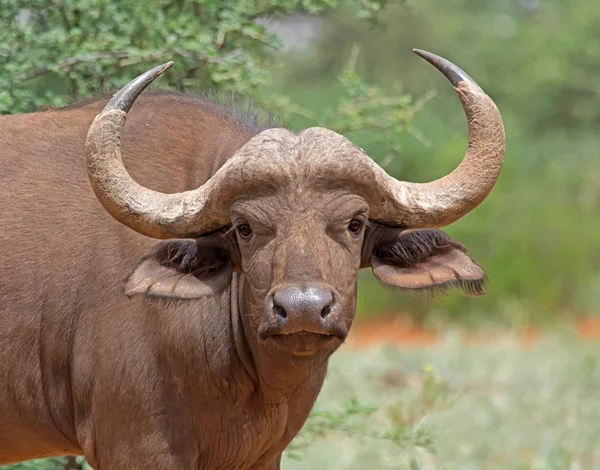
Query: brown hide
point(187, 380)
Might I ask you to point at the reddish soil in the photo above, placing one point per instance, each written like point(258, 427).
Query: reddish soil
point(588, 328)
point(396, 332)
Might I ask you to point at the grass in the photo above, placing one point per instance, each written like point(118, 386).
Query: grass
point(496, 406)
point(455, 406)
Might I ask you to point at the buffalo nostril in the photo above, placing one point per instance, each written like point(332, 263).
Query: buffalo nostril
point(279, 311)
point(294, 302)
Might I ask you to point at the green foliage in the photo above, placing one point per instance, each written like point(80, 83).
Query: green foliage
point(401, 422)
point(366, 112)
point(539, 58)
point(43, 464)
point(51, 50)
point(78, 43)
point(59, 463)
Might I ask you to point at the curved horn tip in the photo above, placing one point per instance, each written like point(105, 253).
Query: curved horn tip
point(452, 72)
point(126, 96)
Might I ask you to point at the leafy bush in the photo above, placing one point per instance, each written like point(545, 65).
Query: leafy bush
point(52, 50)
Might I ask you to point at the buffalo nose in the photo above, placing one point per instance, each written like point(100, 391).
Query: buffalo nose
point(303, 301)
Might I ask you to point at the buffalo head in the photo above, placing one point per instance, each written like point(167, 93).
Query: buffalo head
point(297, 216)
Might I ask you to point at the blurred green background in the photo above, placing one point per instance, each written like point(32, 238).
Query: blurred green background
point(348, 65)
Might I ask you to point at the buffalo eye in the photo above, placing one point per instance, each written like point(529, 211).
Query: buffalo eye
point(355, 226)
point(244, 231)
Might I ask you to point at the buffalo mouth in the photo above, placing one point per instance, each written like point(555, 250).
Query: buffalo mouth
point(303, 343)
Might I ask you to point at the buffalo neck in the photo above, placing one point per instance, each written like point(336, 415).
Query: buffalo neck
point(278, 373)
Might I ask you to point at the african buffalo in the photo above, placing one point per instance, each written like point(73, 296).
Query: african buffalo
point(206, 349)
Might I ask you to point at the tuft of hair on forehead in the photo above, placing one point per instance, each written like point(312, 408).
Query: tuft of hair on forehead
point(413, 247)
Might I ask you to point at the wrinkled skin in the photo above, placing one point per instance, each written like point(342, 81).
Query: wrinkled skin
point(190, 369)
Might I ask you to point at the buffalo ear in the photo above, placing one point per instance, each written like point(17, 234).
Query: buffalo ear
point(425, 260)
point(182, 269)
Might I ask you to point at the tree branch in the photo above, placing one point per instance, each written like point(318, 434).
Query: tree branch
point(73, 61)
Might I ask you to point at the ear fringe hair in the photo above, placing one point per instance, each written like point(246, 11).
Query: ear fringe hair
point(189, 258)
point(184, 255)
point(415, 247)
point(471, 288)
